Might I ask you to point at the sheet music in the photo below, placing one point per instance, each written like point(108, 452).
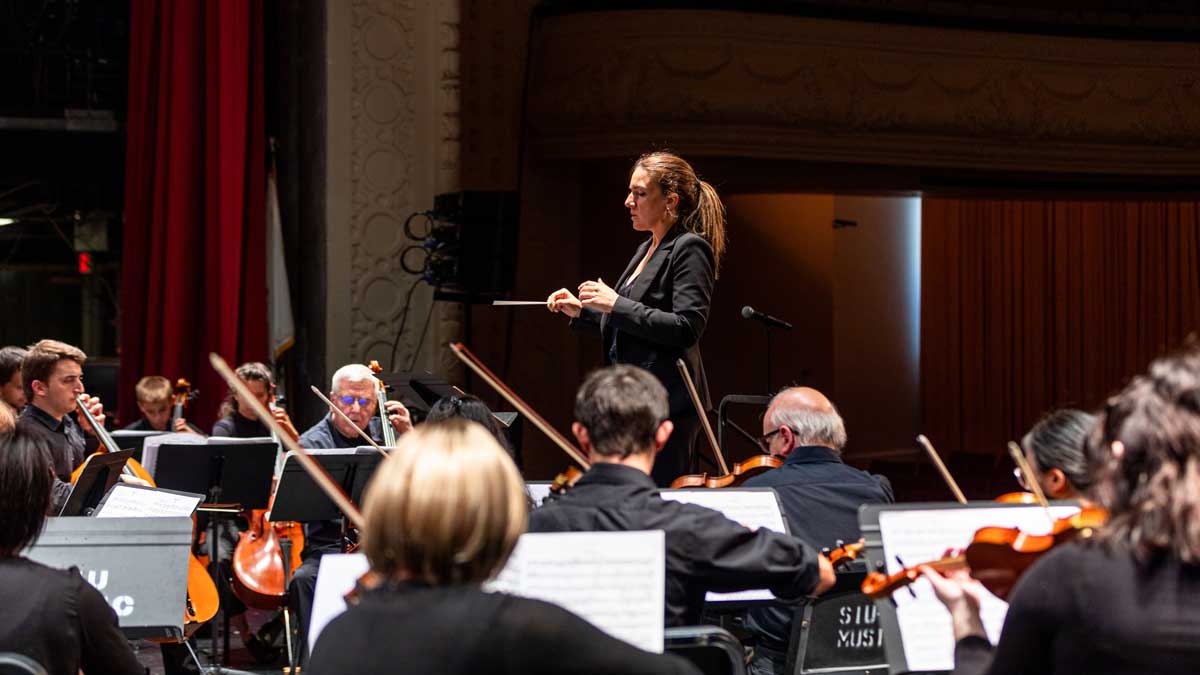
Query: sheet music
point(615, 580)
point(751, 508)
point(136, 501)
point(150, 447)
point(921, 535)
point(538, 491)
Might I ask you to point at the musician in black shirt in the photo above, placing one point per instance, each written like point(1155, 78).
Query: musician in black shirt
point(621, 422)
point(52, 373)
point(443, 514)
point(238, 421)
point(154, 393)
point(50, 615)
point(1125, 601)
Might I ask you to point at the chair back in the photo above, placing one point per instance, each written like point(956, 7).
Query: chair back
point(12, 663)
point(715, 651)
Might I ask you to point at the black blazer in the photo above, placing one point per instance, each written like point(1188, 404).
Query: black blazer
point(663, 316)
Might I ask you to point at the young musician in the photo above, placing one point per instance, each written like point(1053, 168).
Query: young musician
point(154, 400)
point(237, 420)
point(52, 374)
point(1127, 599)
point(819, 493)
point(12, 390)
point(621, 423)
point(49, 615)
point(1054, 449)
point(352, 390)
point(658, 309)
point(442, 516)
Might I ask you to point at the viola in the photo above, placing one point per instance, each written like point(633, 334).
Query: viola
point(381, 397)
point(996, 556)
point(742, 471)
point(568, 477)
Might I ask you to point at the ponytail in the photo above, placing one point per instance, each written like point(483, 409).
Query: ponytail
point(708, 221)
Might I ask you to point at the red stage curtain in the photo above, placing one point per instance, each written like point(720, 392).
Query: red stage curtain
point(193, 263)
point(1031, 305)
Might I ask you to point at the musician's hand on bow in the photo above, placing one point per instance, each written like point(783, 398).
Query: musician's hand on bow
point(565, 302)
point(96, 408)
point(399, 416)
point(961, 595)
point(597, 295)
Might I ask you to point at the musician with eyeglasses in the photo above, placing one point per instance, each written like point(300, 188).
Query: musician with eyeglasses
point(353, 392)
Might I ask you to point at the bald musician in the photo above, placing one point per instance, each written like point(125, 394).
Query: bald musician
point(820, 496)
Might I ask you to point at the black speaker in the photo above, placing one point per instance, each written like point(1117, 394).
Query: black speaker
point(474, 258)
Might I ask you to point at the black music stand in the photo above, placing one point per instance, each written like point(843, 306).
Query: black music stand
point(100, 473)
point(128, 439)
point(838, 632)
point(418, 391)
point(235, 476)
point(299, 498)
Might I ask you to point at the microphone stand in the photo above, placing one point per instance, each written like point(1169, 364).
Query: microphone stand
point(768, 327)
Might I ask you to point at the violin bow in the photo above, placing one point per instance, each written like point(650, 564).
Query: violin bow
point(319, 475)
point(937, 461)
point(349, 421)
point(1018, 456)
point(460, 350)
point(695, 395)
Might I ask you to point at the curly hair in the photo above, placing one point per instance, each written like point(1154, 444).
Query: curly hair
point(1152, 487)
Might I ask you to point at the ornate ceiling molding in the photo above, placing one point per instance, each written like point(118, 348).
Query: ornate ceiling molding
point(739, 84)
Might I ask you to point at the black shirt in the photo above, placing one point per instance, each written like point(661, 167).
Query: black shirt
point(461, 629)
point(57, 619)
point(820, 496)
point(234, 425)
point(1084, 608)
point(68, 448)
point(143, 424)
point(705, 550)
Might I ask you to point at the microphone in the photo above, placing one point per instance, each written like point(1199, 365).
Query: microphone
point(749, 312)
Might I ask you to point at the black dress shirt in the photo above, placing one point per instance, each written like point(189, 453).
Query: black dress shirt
point(57, 619)
point(455, 630)
point(1084, 608)
point(69, 446)
point(705, 550)
point(820, 496)
point(234, 425)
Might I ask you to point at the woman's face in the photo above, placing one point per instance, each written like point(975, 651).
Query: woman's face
point(646, 202)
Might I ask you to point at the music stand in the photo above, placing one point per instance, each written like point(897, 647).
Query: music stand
point(100, 473)
point(418, 391)
point(299, 498)
point(235, 476)
point(131, 439)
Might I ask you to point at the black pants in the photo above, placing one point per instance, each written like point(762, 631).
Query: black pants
point(675, 458)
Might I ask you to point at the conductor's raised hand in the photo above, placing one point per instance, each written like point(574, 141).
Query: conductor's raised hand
point(565, 302)
point(597, 295)
point(96, 408)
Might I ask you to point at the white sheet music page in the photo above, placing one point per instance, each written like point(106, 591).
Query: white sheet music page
point(614, 580)
point(538, 491)
point(135, 501)
point(335, 578)
point(151, 443)
point(918, 536)
point(752, 508)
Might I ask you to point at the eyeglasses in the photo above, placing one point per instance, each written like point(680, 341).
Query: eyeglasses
point(350, 400)
point(1020, 478)
point(764, 441)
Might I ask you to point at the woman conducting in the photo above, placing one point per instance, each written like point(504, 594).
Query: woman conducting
point(443, 513)
point(1127, 599)
point(658, 309)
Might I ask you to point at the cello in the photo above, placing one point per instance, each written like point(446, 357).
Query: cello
point(183, 395)
point(742, 471)
point(381, 398)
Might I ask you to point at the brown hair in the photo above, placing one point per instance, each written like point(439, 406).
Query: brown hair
point(25, 481)
point(251, 371)
point(10, 362)
point(446, 507)
point(621, 407)
point(700, 209)
point(153, 389)
point(1152, 490)
point(39, 363)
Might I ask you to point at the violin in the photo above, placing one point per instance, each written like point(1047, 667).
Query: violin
point(568, 477)
point(381, 397)
point(844, 554)
point(742, 471)
point(996, 556)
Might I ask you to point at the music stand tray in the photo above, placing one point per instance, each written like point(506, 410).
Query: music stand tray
point(298, 498)
point(100, 472)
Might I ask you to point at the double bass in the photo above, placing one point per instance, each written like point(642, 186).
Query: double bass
point(381, 398)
